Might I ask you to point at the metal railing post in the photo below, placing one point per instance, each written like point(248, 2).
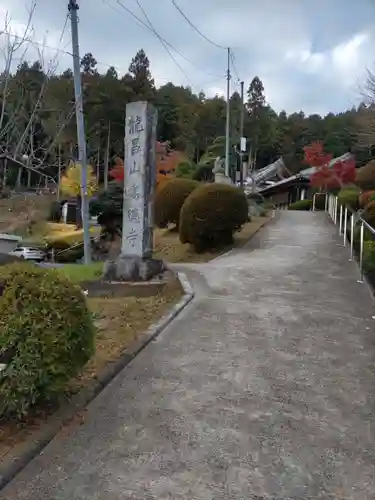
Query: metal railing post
point(340, 221)
point(361, 244)
point(335, 210)
point(326, 202)
point(351, 237)
point(345, 224)
point(331, 207)
point(313, 203)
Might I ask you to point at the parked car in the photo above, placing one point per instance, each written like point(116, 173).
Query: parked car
point(29, 253)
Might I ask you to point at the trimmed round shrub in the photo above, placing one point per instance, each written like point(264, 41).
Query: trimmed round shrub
point(46, 337)
point(211, 215)
point(365, 176)
point(365, 198)
point(169, 200)
point(301, 205)
point(349, 197)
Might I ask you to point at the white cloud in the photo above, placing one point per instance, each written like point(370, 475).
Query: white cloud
point(304, 59)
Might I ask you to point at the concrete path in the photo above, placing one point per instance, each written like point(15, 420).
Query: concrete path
point(264, 386)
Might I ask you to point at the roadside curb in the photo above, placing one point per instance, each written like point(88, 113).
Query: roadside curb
point(15, 462)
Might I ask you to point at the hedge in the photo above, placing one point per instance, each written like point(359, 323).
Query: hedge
point(301, 205)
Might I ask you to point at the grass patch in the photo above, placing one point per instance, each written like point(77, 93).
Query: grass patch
point(119, 322)
point(169, 248)
point(52, 231)
point(81, 272)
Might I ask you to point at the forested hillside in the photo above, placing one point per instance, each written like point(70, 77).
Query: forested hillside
point(37, 121)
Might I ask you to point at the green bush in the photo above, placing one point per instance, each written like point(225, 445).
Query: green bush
point(108, 207)
point(46, 337)
point(301, 205)
point(369, 213)
point(211, 215)
point(169, 200)
point(204, 173)
point(367, 235)
point(185, 169)
point(369, 255)
point(349, 197)
point(64, 251)
point(55, 212)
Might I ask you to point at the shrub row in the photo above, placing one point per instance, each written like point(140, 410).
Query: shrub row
point(206, 215)
point(301, 205)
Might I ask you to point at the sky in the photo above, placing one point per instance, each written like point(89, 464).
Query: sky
point(311, 55)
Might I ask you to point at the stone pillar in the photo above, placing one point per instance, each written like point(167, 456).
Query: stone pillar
point(135, 262)
point(139, 180)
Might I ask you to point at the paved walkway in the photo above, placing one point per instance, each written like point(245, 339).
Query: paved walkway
point(265, 385)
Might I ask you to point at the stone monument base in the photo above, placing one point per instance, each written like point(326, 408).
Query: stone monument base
point(131, 268)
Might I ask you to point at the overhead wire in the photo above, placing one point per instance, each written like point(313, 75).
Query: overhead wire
point(232, 58)
point(141, 23)
point(164, 43)
point(195, 28)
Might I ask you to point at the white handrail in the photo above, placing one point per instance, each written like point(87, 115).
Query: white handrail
point(333, 209)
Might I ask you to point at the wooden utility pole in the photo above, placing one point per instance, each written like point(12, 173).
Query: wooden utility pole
point(107, 152)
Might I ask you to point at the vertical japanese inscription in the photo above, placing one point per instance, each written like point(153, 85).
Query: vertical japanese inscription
point(137, 195)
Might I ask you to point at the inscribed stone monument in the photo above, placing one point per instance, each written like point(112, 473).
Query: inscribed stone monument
point(135, 262)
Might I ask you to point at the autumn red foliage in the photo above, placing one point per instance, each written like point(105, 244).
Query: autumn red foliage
point(334, 177)
point(118, 172)
point(167, 161)
point(315, 155)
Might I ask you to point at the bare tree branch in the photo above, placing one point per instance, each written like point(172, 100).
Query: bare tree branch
point(13, 45)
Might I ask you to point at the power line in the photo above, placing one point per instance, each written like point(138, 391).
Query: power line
point(144, 25)
point(195, 28)
point(232, 58)
point(163, 43)
point(100, 63)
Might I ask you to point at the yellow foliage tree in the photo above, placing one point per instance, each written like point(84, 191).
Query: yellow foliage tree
point(71, 185)
point(71, 181)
